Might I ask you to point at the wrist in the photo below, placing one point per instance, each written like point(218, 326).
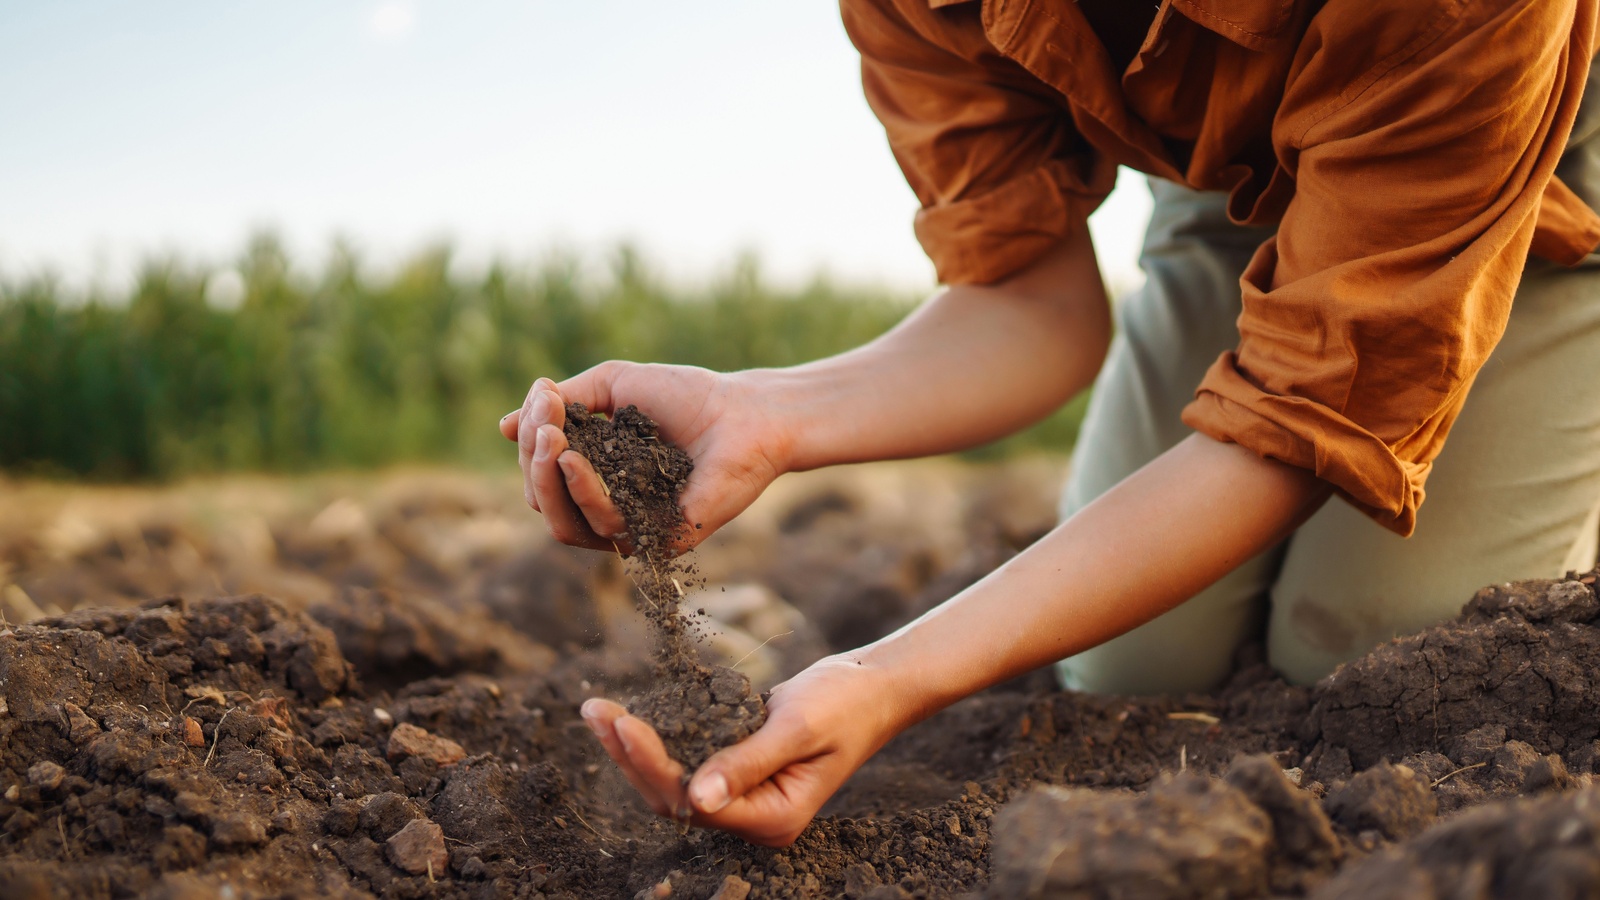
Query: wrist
point(867, 702)
point(787, 400)
point(907, 691)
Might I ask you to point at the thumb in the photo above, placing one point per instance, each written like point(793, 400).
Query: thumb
point(593, 386)
point(734, 771)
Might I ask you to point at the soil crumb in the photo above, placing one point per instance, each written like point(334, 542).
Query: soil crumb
point(696, 709)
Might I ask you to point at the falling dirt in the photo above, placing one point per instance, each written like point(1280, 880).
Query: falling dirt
point(382, 735)
point(697, 709)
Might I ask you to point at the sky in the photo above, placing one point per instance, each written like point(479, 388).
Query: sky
point(697, 131)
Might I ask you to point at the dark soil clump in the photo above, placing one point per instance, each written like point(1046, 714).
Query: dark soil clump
point(708, 709)
point(696, 709)
point(643, 474)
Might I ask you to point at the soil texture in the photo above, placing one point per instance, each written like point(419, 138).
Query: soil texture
point(697, 709)
point(402, 722)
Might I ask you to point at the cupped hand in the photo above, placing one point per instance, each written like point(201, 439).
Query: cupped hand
point(821, 726)
point(737, 443)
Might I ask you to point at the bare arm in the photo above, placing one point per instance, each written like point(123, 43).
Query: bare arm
point(974, 363)
point(1155, 540)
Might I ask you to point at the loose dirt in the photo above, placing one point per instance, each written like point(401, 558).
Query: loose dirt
point(387, 737)
point(697, 709)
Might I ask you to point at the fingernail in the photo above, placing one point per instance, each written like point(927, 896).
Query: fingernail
point(541, 406)
point(591, 716)
point(541, 445)
point(711, 793)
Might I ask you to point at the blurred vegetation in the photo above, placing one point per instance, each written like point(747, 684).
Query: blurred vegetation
point(200, 370)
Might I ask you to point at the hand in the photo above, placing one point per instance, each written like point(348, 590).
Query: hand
point(821, 726)
point(737, 444)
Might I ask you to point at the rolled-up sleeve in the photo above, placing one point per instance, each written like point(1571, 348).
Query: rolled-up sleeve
point(999, 170)
point(1419, 166)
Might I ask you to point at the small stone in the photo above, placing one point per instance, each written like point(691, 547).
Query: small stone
point(284, 821)
point(953, 824)
point(382, 715)
point(419, 848)
point(733, 888)
point(474, 868)
point(80, 728)
point(408, 740)
point(13, 793)
point(46, 775)
point(274, 709)
point(192, 735)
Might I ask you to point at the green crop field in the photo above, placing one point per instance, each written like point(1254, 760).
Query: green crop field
point(342, 369)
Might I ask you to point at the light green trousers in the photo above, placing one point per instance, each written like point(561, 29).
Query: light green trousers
point(1515, 493)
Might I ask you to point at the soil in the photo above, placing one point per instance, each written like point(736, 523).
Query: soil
point(392, 729)
point(697, 709)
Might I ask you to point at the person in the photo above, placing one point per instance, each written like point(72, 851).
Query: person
point(1356, 202)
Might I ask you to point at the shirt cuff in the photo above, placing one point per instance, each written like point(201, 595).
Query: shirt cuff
point(982, 239)
point(1360, 466)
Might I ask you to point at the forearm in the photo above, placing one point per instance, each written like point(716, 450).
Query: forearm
point(1157, 539)
point(973, 364)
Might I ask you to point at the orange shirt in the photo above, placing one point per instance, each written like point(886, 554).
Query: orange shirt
point(1406, 148)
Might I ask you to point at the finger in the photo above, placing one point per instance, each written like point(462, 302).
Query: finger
point(549, 486)
point(650, 760)
point(535, 409)
point(588, 490)
point(601, 717)
point(716, 492)
point(593, 386)
point(734, 772)
point(509, 423)
point(547, 407)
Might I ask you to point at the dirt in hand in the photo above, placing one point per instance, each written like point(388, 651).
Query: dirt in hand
point(696, 709)
point(643, 475)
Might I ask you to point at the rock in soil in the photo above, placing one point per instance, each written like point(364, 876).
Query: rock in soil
point(419, 848)
point(408, 741)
